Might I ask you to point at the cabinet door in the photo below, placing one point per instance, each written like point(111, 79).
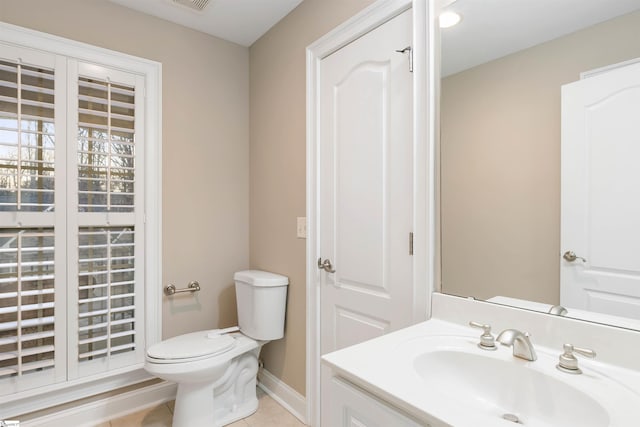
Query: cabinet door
point(347, 406)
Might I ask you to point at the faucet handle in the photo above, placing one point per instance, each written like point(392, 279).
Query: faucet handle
point(558, 310)
point(568, 362)
point(487, 342)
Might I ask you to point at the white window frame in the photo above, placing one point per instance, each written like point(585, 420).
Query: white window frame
point(24, 402)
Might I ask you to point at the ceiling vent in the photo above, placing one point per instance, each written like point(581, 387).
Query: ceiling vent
point(197, 5)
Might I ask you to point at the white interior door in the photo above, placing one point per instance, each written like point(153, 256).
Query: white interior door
point(366, 175)
point(601, 193)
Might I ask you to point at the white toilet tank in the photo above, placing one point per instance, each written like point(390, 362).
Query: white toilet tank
point(261, 298)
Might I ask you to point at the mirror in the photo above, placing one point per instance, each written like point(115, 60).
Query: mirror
point(506, 68)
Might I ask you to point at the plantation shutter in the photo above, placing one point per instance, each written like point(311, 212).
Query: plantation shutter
point(108, 220)
point(27, 136)
point(27, 301)
point(106, 149)
point(32, 316)
point(73, 304)
point(107, 291)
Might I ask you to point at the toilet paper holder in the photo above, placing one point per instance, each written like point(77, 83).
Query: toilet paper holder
point(193, 286)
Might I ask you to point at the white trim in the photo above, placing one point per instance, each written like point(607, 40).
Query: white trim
point(596, 71)
point(287, 397)
point(56, 394)
point(152, 71)
point(368, 19)
point(424, 184)
point(91, 414)
point(49, 43)
point(153, 205)
point(426, 112)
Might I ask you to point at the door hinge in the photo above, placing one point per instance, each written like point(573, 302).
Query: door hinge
point(410, 52)
point(411, 243)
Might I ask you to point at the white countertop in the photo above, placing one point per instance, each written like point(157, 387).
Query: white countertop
point(385, 368)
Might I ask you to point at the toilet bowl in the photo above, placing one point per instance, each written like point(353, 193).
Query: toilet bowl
point(216, 370)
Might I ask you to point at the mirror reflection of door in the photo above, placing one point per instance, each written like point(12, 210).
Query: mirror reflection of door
point(600, 226)
point(503, 67)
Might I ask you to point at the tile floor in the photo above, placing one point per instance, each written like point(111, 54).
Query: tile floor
point(269, 414)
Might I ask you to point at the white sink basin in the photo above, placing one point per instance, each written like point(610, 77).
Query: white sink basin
point(435, 372)
point(508, 390)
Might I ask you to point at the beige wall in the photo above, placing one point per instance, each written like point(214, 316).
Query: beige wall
point(501, 163)
point(278, 165)
point(205, 145)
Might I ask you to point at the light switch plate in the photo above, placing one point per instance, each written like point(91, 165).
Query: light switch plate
point(301, 229)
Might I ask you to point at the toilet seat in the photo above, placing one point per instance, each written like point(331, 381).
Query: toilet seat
point(190, 347)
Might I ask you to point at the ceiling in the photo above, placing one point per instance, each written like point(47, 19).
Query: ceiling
point(491, 29)
point(239, 21)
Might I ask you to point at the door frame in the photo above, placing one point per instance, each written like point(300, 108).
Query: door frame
point(424, 180)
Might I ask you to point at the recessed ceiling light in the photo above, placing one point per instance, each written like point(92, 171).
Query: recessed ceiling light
point(448, 19)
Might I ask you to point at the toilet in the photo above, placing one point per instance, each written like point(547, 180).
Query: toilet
point(216, 369)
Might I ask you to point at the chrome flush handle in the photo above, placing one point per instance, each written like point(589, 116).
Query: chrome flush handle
point(326, 265)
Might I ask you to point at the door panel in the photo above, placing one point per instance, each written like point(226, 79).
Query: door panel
point(359, 101)
point(600, 192)
point(349, 323)
point(366, 188)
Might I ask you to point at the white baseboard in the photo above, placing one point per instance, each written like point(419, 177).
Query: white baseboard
point(94, 413)
point(290, 399)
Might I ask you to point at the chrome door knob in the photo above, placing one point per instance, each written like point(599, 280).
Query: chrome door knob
point(325, 265)
point(571, 256)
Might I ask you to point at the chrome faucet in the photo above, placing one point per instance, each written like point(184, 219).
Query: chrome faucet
point(521, 343)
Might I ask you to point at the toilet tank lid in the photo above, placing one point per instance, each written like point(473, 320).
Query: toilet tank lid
point(260, 278)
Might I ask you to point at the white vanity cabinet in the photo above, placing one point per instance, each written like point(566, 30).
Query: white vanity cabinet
point(346, 405)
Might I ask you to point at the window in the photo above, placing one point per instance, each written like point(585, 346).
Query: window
point(79, 150)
